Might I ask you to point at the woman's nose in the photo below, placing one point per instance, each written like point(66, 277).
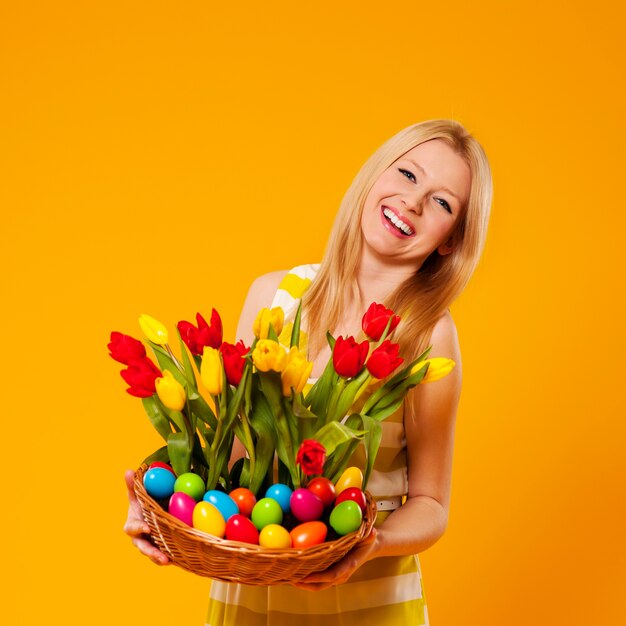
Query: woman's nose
point(414, 203)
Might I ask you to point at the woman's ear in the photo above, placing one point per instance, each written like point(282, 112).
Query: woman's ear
point(447, 247)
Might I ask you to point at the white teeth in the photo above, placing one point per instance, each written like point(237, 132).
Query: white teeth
point(397, 222)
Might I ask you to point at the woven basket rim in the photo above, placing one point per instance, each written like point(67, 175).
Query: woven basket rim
point(303, 559)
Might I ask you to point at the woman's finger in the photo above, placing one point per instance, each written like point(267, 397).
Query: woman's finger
point(147, 549)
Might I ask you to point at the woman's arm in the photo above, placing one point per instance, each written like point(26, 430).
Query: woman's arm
point(422, 520)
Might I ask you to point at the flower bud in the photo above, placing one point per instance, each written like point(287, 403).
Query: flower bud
point(211, 370)
point(170, 391)
point(153, 329)
point(438, 367)
point(269, 355)
point(265, 317)
point(296, 372)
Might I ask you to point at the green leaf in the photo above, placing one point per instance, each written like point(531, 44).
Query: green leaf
point(160, 455)
point(295, 331)
point(201, 409)
point(157, 417)
point(371, 441)
point(318, 396)
point(334, 434)
point(179, 452)
point(263, 424)
point(384, 413)
point(271, 334)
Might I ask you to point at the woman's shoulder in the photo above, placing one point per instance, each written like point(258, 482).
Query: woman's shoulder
point(444, 338)
point(263, 288)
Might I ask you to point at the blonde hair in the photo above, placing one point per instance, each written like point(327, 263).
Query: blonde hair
point(425, 296)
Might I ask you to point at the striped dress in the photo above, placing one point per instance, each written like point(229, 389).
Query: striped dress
point(386, 591)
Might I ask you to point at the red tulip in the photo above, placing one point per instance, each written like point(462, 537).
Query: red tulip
point(384, 359)
point(375, 321)
point(123, 348)
point(140, 376)
point(311, 457)
point(234, 362)
point(196, 338)
point(349, 356)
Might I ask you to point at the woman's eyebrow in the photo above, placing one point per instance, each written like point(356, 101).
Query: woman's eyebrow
point(421, 169)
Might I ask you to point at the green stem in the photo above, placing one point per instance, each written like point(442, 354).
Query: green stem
point(178, 364)
point(332, 404)
point(250, 447)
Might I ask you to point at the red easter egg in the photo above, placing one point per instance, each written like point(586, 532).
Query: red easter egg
point(355, 494)
point(324, 489)
point(244, 499)
point(162, 465)
point(240, 528)
point(308, 534)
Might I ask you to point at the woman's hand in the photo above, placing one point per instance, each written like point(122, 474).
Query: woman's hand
point(137, 528)
point(341, 571)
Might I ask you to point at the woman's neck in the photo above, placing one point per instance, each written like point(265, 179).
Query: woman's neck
point(377, 280)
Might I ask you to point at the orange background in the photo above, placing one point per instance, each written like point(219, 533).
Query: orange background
point(157, 159)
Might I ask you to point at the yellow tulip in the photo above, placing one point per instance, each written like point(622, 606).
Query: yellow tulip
point(261, 326)
point(153, 329)
point(438, 367)
point(211, 370)
point(296, 372)
point(170, 391)
point(269, 355)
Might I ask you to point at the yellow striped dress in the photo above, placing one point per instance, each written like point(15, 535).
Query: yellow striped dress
point(383, 592)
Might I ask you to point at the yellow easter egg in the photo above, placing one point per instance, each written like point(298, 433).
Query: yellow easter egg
point(352, 477)
point(274, 536)
point(208, 519)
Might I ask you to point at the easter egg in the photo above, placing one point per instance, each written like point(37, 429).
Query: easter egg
point(324, 489)
point(266, 511)
point(181, 506)
point(191, 484)
point(355, 494)
point(352, 477)
point(162, 466)
point(244, 499)
point(222, 502)
point(240, 528)
point(346, 517)
point(308, 534)
point(208, 519)
point(282, 494)
point(275, 536)
point(305, 505)
point(159, 483)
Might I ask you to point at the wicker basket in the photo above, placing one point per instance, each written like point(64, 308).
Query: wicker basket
point(233, 561)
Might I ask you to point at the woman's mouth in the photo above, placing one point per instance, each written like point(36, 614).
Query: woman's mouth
point(395, 224)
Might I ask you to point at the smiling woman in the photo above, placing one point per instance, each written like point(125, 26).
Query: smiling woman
point(408, 234)
point(417, 200)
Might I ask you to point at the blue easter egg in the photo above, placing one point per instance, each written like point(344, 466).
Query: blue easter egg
point(159, 482)
point(282, 494)
point(222, 502)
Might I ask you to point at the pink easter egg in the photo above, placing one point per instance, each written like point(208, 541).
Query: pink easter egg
point(305, 505)
point(181, 506)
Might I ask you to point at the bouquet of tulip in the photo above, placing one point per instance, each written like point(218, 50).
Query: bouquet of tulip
point(261, 395)
point(257, 394)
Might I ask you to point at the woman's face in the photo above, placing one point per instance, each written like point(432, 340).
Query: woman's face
point(415, 205)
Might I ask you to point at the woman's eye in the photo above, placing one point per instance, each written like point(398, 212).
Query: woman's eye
point(407, 173)
point(444, 204)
